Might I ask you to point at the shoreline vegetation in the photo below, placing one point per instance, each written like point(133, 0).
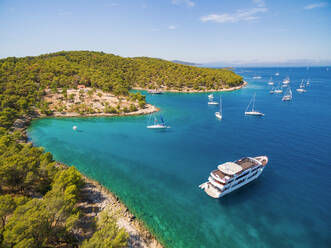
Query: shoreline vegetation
point(188, 90)
point(44, 203)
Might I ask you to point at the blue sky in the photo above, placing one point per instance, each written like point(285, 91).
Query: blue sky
point(190, 30)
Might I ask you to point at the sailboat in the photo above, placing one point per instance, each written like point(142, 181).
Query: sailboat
point(157, 124)
point(211, 100)
point(271, 82)
point(307, 83)
point(253, 111)
point(288, 95)
point(286, 80)
point(278, 90)
point(219, 114)
point(301, 87)
point(272, 90)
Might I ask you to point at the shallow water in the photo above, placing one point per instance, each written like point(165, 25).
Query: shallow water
point(157, 173)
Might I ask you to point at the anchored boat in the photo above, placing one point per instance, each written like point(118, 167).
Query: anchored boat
point(157, 124)
point(288, 95)
point(233, 175)
point(219, 114)
point(253, 111)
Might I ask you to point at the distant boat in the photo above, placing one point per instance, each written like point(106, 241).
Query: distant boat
point(157, 124)
point(271, 82)
point(211, 100)
point(74, 128)
point(257, 77)
point(272, 90)
point(307, 83)
point(278, 90)
point(277, 74)
point(219, 114)
point(253, 111)
point(286, 80)
point(301, 87)
point(154, 91)
point(288, 95)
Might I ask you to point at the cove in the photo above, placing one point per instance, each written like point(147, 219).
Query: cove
point(157, 173)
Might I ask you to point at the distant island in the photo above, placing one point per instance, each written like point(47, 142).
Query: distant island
point(44, 203)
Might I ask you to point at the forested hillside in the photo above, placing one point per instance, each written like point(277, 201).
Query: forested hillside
point(23, 80)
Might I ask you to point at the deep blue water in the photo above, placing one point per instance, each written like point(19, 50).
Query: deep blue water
point(157, 173)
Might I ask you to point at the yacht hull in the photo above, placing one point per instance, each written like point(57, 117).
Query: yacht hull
point(213, 191)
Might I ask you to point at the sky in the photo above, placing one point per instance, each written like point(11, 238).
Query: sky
point(201, 31)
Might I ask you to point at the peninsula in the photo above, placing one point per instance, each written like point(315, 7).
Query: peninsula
point(47, 204)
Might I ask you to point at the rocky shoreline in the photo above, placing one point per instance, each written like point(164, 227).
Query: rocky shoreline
point(96, 198)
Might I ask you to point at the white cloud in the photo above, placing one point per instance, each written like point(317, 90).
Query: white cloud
point(315, 5)
point(172, 27)
point(239, 15)
point(188, 3)
point(259, 3)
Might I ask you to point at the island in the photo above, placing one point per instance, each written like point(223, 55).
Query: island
point(44, 203)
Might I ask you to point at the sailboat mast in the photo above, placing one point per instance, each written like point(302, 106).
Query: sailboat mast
point(253, 102)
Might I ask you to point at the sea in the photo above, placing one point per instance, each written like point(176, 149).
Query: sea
point(156, 173)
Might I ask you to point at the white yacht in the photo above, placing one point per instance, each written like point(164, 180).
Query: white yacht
point(155, 92)
point(277, 74)
point(278, 90)
point(252, 111)
point(211, 96)
point(286, 80)
point(233, 175)
point(271, 82)
point(219, 114)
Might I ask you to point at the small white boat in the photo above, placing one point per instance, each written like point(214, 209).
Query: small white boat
point(301, 90)
point(219, 114)
point(307, 83)
point(74, 128)
point(257, 77)
point(277, 74)
point(270, 82)
point(288, 95)
point(272, 90)
point(154, 92)
point(211, 100)
point(286, 80)
point(278, 90)
point(253, 111)
point(156, 124)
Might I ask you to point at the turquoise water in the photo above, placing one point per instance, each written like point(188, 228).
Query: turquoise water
point(157, 173)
